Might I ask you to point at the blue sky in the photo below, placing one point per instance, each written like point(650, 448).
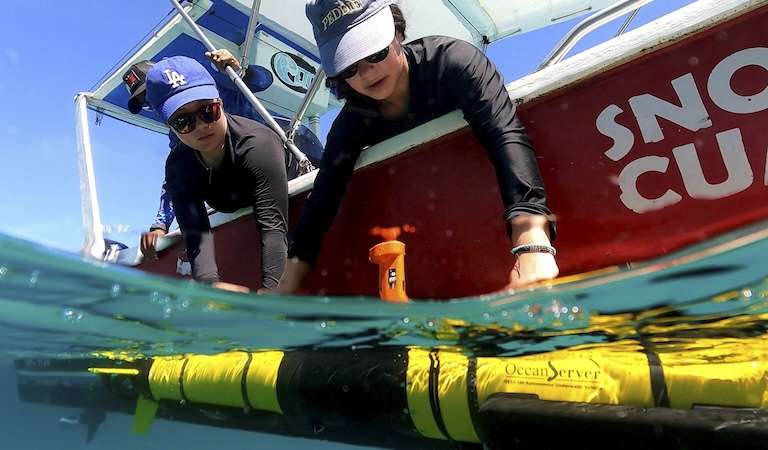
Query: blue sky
point(49, 51)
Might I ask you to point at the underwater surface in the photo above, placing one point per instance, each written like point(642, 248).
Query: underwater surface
point(58, 306)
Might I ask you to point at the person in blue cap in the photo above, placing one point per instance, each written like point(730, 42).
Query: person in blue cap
point(228, 161)
point(391, 87)
point(257, 79)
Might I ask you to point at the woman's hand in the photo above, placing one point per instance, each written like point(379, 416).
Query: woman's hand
point(222, 58)
point(148, 243)
point(531, 267)
point(230, 287)
point(295, 271)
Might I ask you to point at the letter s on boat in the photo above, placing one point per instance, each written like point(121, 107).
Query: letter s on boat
point(623, 139)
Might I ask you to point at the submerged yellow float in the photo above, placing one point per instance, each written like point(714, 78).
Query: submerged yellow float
point(438, 392)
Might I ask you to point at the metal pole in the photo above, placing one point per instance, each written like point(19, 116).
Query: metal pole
point(313, 89)
point(314, 124)
point(93, 230)
point(586, 26)
point(626, 23)
point(251, 33)
point(304, 164)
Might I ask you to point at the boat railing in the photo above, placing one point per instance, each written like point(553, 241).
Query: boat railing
point(627, 22)
point(250, 34)
point(89, 203)
point(588, 25)
point(317, 83)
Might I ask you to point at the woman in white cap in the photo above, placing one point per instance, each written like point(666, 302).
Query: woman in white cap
point(391, 87)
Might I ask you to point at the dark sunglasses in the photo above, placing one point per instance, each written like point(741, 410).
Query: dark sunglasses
point(351, 71)
point(186, 122)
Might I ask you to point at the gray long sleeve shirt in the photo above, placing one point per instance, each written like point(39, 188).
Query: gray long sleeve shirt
point(253, 173)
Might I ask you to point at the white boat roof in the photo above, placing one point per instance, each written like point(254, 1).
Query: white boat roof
point(283, 27)
point(486, 21)
point(476, 21)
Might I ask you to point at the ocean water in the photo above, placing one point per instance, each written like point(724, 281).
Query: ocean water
point(58, 306)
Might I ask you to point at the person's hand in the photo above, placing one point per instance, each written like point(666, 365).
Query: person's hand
point(148, 243)
point(222, 58)
point(295, 271)
point(230, 287)
point(531, 267)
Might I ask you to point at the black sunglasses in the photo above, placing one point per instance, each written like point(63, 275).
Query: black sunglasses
point(351, 71)
point(186, 122)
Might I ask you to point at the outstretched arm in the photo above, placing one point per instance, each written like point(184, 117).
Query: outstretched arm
point(493, 117)
point(159, 228)
point(264, 160)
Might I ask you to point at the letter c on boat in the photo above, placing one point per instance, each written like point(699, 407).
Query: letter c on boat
point(628, 185)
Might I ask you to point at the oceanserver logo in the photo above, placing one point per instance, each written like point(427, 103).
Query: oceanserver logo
point(550, 372)
point(293, 71)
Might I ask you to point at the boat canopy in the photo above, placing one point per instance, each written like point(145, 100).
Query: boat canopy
point(486, 21)
point(283, 45)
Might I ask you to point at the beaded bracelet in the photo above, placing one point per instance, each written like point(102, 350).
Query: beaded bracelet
point(534, 248)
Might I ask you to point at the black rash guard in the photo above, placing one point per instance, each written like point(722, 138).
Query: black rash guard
point(445, 74)
point(253, 173)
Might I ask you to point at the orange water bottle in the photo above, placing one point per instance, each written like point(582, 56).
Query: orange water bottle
point(390, 257)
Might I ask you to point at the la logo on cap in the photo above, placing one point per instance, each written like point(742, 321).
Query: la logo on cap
point(175, 79)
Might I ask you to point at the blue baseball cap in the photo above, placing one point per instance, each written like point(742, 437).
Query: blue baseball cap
point(347, 31)
point(174, 82)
